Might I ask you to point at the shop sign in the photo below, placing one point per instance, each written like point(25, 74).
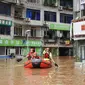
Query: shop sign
point(60, 26)
point(34, 43)
point(5, 22)
point(5, 42)
point(79, 30)
point(82, 1)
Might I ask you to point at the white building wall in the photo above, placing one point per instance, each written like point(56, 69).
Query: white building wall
point(12, 27)
point(76, 6)
point(38, 6)
point(38, 34)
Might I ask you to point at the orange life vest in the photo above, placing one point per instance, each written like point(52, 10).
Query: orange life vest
point(46, 55)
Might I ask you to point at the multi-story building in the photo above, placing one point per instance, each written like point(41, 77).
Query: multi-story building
point(78, 29)
point(19, 16)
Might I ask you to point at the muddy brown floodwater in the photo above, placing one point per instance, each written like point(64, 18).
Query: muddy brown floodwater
point(12, 73)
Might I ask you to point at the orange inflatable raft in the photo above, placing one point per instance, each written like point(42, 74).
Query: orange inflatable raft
point(38, 63)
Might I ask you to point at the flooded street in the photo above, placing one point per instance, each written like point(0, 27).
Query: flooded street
point(12, 73)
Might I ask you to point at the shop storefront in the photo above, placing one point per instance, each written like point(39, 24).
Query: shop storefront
point(60, 26)
point(64, 47)
point(78, 35)
point(19, 47)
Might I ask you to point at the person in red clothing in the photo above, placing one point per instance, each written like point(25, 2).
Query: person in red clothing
point(48, 54)
point(35, 56)
point(30, 54)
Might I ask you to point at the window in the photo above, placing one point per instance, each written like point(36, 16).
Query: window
point(18, 31)
point(5, 30)
point(5, 9)
point(33, 1)
point(66, 18)
point(33, 14)
point(65, 35)
point(18, 12)
point(83, 12)
point(51, 34)
point(66, 3)
point(49, 16)
point(33, 32)
point(50, 2)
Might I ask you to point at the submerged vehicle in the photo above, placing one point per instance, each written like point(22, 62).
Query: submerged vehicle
point(38, 63)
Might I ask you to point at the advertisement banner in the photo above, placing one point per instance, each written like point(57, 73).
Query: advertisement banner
point(82, 1)
point(6, 42)
point(60, 26)
point(79, 30)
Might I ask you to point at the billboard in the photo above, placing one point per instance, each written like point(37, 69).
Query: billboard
point(82, 1)
point(79, 30)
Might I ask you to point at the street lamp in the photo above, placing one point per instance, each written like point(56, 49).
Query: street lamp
point(27, 32)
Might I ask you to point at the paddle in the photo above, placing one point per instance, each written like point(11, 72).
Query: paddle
point(20, 59)
point(56, 64)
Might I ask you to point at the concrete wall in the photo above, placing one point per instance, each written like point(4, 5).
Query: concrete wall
point(38, 6)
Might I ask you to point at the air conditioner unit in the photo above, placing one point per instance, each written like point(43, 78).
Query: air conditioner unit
point(27, 19)
point(60, 8)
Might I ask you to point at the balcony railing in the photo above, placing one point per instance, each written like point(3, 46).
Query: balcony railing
point(50, 3)
point(9, 1)
point(25, 37)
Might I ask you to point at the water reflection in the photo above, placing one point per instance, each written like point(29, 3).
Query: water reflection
point(40, 72)
point(12, 73)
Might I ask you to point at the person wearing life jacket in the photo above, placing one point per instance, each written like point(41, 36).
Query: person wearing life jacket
point(35, 56)
point(48, 54)
point(30, 54)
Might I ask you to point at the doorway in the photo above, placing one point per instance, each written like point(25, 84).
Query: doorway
point(64, 51)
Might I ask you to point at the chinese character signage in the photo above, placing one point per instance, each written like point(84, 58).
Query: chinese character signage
point(6, 42)
point(5, 22)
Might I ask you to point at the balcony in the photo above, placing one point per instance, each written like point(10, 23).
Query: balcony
point(68, 8)
point(52, 3)
point(9, 1)
point(67, 4)
point(33, 3)
point(18, 14)
point(25, 37)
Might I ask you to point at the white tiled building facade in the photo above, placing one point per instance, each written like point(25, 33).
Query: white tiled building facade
point(32, 14)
